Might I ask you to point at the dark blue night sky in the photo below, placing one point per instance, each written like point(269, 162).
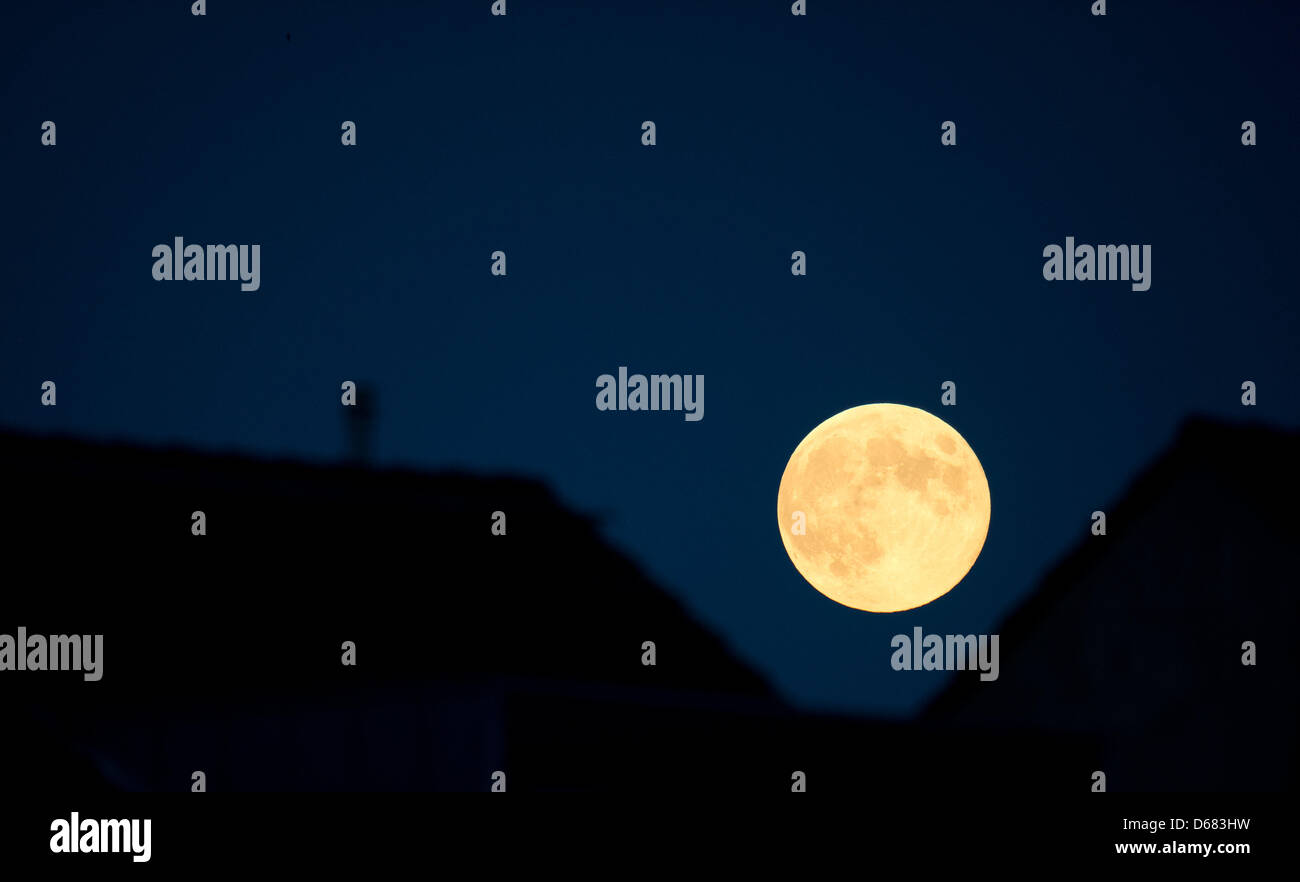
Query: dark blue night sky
point(775, 133)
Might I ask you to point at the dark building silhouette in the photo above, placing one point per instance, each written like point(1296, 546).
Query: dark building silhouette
point(1135, 639)
point(475, 652)
point(522, 653)
point(223, 651)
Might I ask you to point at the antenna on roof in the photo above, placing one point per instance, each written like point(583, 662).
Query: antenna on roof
point(359, 423)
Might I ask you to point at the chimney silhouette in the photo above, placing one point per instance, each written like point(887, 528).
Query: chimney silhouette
point(359, 423)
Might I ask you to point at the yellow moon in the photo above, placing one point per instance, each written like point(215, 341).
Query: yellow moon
point(883, 507)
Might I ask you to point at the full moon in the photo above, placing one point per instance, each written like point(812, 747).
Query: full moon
point(883, 507)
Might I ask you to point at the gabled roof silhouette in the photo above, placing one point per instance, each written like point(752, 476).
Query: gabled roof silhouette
point(405, 554)
point(223, 651)
point(1137, 636)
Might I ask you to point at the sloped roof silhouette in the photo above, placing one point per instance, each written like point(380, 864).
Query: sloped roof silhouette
point(403, 554)
point(1137, 636)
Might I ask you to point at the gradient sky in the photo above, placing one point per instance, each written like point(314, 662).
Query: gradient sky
point(775, 133)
